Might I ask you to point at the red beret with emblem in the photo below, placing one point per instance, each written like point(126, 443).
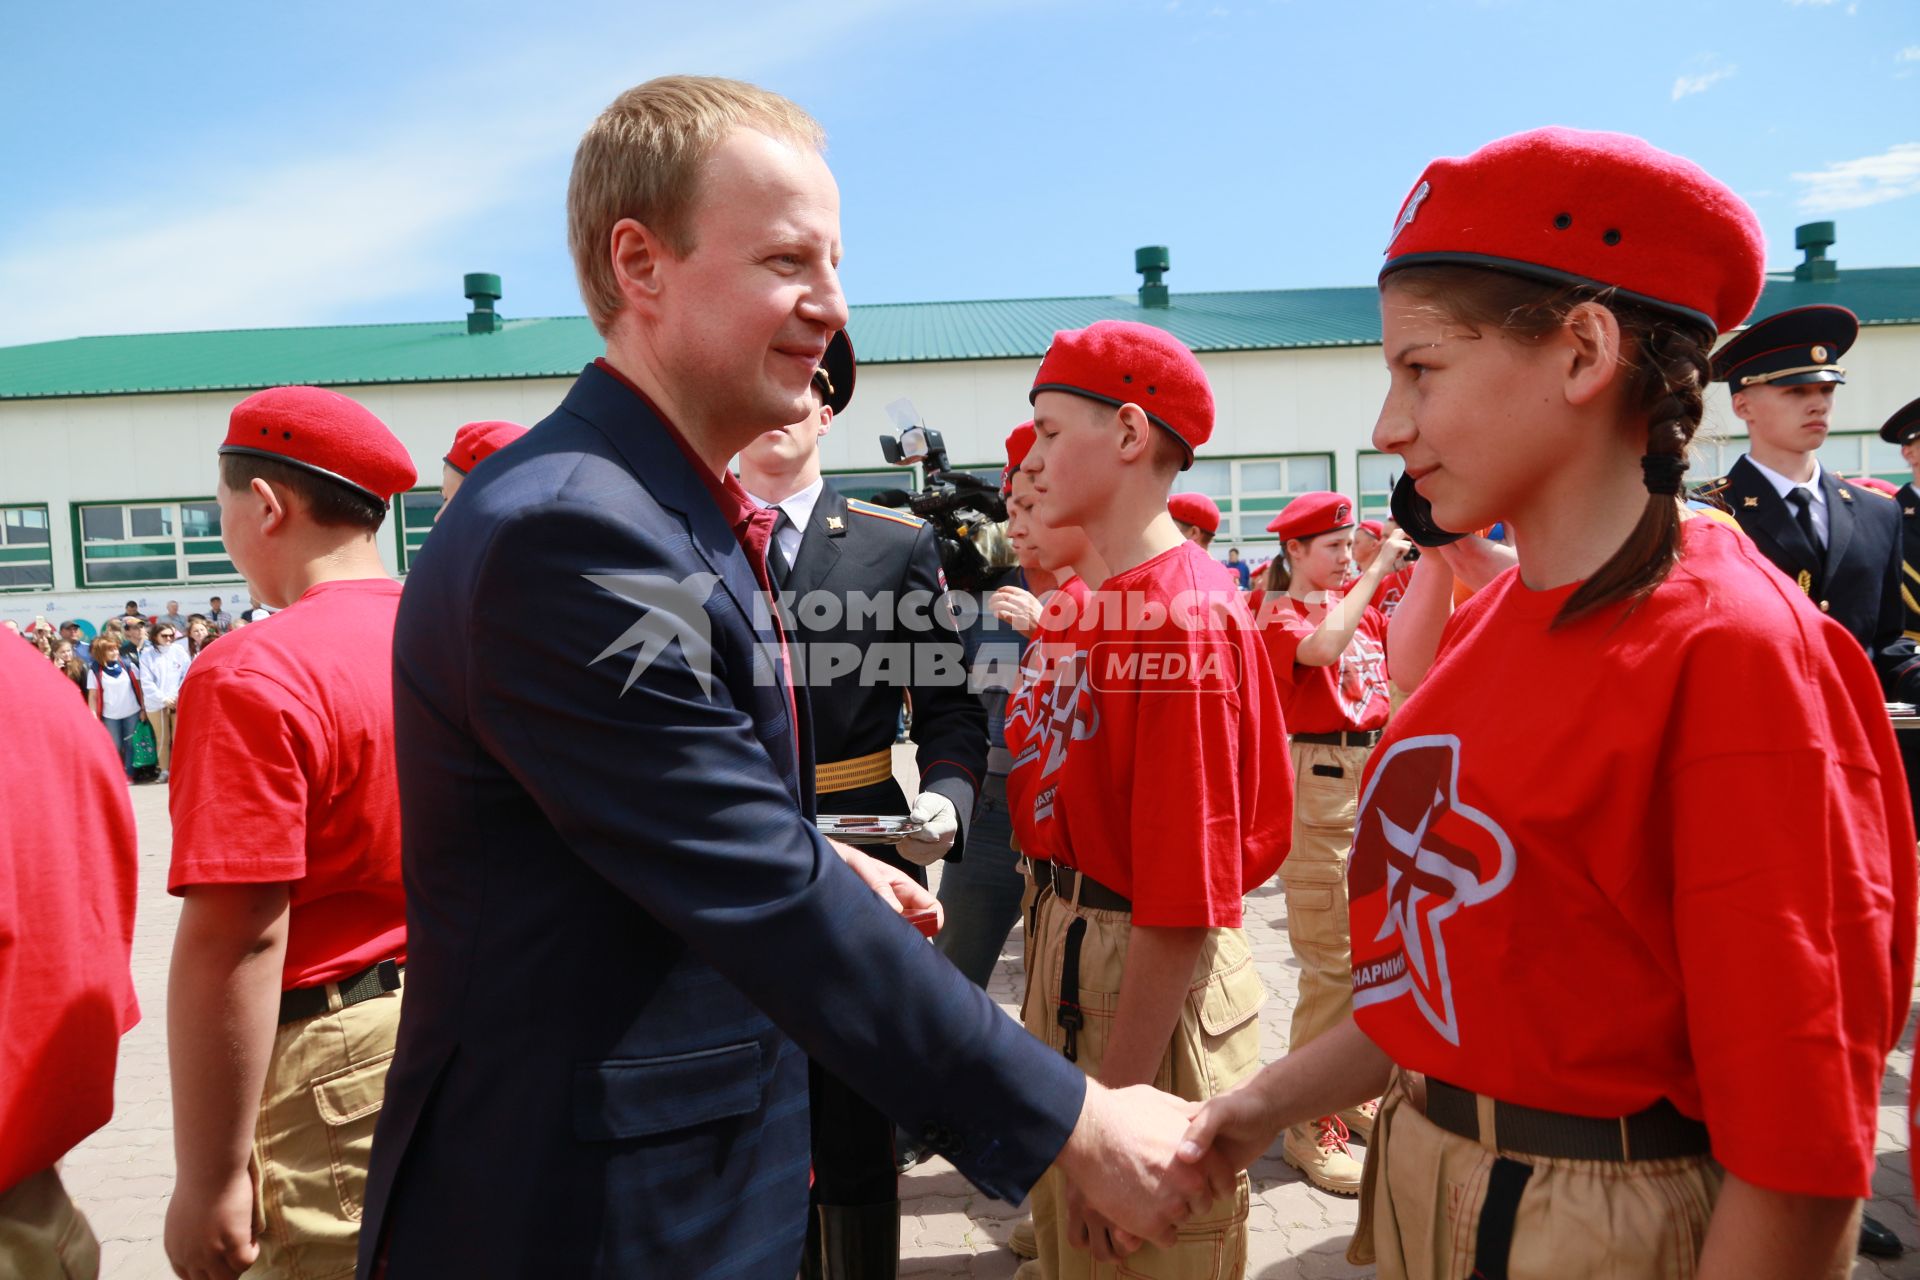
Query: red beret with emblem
point(479, 440)
point(1019, 441)
point(1567, 206)
point(325, 433)
point(1124, 362)
point(1196, 509)
point(1312, 514)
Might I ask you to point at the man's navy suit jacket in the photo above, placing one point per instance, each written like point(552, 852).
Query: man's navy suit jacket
point(623, 930)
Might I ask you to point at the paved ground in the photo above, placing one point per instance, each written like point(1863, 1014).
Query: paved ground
point(122, 1175)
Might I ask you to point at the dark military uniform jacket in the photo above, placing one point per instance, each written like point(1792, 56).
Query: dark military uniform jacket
point(1909, 500)
point(1857, 581)
point(909, 648)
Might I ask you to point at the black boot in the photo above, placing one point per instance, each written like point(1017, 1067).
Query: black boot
point(852, 1242)
point(1878, 1242)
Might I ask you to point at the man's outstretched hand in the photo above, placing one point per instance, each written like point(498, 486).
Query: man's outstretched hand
point(900, 891)
point(1123, 1158)
point(1230, 1132)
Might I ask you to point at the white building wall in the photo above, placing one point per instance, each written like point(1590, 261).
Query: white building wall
point(116, 448)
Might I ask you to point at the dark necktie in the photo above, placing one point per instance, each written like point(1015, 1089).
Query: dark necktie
point(777, 566)
point(1801, 500)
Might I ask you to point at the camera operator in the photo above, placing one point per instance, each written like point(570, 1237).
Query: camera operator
point(831, 559)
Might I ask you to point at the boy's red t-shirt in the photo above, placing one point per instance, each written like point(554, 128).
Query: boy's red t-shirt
point(1350, 695)
point(1170, 778)
point(1689, 875)
point(68, 877)
point(284, 771)
point(1030, 716)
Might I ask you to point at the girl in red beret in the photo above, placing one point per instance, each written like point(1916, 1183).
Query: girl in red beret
point(1628, 961)
point(1329, 647)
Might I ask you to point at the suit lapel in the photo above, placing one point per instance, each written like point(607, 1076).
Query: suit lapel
point(1839, 521)
point(1759, 508)
point(819, 541)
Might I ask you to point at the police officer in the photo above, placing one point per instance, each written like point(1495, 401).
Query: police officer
point(861, 590)
point(1903, 429)
point(1841, 543)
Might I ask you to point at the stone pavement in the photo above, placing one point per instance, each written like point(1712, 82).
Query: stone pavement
point(122, 1175)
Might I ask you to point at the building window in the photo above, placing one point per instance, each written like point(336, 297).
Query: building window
point(150, 543)
point(1251, 491)
point(26, 549)
point(413, 521)
point(864, 484)
point(1864, 453)
point(1377, 473)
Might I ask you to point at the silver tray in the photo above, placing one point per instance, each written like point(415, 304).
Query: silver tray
point(866, 828)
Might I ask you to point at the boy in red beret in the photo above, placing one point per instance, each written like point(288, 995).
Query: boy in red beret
point(284, 997)
point(1196, 516)
point(1164, 777)
point(473, 444)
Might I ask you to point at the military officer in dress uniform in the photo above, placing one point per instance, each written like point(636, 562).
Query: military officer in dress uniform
point(862, 603)
point(1841, 543)
point(1903, 429)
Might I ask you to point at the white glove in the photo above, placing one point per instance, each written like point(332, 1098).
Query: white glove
point(936, 837)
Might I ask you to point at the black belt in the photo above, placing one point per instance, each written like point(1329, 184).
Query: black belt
point(1093, 895)
point(375, 980)
point(1345, 738)
point(1658, 1133)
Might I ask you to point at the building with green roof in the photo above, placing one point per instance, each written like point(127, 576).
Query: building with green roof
point(108, 442)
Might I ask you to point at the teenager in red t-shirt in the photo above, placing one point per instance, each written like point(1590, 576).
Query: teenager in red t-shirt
point(284, 998)
point(1667, 1013)
point(1328, 645)
point(68, 876)
point(1159, 769)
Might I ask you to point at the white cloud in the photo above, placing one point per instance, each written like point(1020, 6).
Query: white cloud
point(1804, 3)
point(259, 240)
point(1909, 54)
point(1687, 86)
point(1855, 184)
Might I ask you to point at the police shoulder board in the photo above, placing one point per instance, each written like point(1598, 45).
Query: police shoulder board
point(855, 506)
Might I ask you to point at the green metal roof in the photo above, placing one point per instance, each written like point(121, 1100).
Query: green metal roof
point(443, 351)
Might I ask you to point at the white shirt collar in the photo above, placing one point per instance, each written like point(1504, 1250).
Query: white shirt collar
point(1783, 486)
point(799, 508)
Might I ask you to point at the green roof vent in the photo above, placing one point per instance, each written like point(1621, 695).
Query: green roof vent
point(1815, 238)
point(1150, 261)
point(484, 288)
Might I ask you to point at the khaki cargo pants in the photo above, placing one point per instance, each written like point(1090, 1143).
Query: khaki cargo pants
point(325, 1084)
point(1426, 1189)
point(1216, 1045)
point(43, 1234)
point(1326, 802)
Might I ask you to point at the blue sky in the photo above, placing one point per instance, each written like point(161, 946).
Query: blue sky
point(270, 164)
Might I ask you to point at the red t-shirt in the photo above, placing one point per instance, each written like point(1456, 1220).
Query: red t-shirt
point(68, 875)
point(284, 771)
point(1689, 873)
point(1029, 721)
point(1349, 695)
point(1171, 783)
point(1392, 588)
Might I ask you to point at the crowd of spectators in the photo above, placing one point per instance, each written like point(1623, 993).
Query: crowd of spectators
point(130, 670)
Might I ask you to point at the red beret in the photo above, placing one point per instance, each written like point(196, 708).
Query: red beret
point(1876, 483)
point(1196, 509)
point(323, 432)
point(1123, 362)
point(1312, 514)
point(1566, 206)
point(1373, 527)
point(1019, 441)
point(479, 440)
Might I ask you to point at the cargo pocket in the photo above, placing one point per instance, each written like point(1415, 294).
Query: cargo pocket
point(349, 1106)
point(1226, 1025)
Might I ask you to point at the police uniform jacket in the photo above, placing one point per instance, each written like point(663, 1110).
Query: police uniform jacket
point(625, 936)
point(910, 648)
point(1909, 500)
point(1857, 581)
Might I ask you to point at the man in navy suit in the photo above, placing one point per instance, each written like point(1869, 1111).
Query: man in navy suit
point(625, 935)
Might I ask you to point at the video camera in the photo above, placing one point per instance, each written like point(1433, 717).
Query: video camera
point(953, 502)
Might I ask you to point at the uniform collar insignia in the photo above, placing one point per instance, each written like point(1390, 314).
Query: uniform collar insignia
point(1749, 502)
point(835, 522)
